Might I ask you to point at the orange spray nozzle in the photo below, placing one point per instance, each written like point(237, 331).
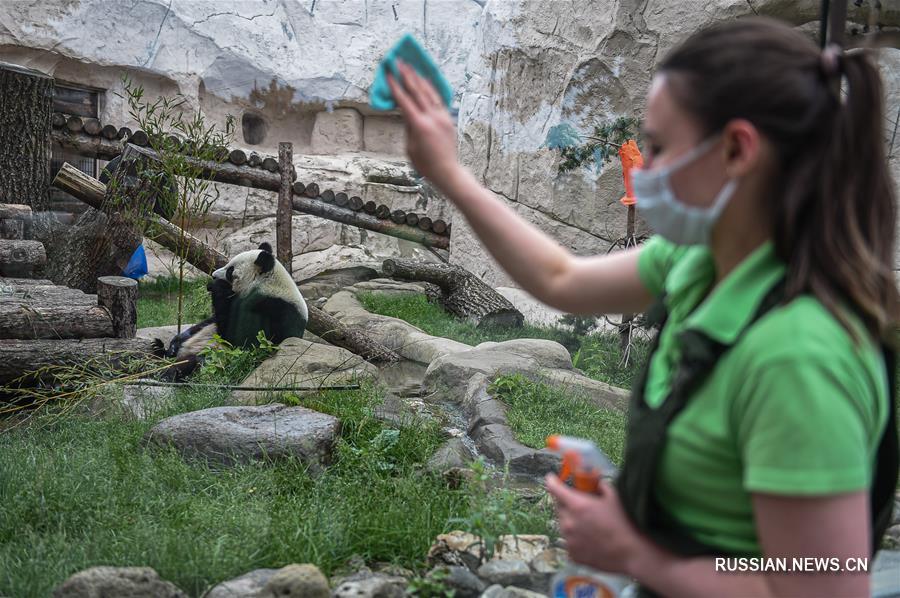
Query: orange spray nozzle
point(581, 461)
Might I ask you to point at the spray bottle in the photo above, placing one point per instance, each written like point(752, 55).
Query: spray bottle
point(583, 462)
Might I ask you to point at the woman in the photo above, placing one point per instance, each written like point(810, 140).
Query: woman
point(765, 412)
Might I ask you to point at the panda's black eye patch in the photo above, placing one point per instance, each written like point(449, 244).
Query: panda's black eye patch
point(229, 274)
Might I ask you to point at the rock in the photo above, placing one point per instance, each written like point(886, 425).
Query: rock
point(308, 233)
point(892, 537)
point(143, 402)
point(337, 131)
point(229, 435)
point(248, 585)
point(453, 454)
point(536, 313)
point(372, 585)
point(456, 548)
point(885, 581)
point(548, 561)
point(121, 582)
point(498, 443)
point(463, 582)
point(329, 282)
point(521, 547)
point(448, 375)
point(302, 363)
point(505, 572)
point(498, 591)
point(296, 581)
point(384, 134)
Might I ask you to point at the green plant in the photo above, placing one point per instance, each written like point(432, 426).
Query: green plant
point(178, 179)
point(431, 586)
point(224, 363)
point(594, 149)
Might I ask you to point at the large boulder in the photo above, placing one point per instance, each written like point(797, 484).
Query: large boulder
point(292, 581)
point(229, 435)
point(302, 363)
point(121, 582)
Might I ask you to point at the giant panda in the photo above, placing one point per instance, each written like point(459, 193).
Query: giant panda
point(250, 293)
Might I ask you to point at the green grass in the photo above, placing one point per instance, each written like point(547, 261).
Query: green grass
point(79, 491)
point(599, 355)
point(536, 410)
point(158, 302)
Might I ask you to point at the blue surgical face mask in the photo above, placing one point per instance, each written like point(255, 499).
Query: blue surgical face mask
point(675, 220)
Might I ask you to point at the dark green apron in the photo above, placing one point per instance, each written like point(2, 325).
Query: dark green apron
point(647, 429)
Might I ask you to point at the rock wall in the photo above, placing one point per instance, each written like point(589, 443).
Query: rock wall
point(532, 69)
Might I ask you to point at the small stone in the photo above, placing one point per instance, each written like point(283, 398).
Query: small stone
point(521, 547)
point(453, 454)
point(248, 585)
point(372, 586)
point(891, 537)
point(297, 581)
point(459, 579)
point(505, 572)
point(550, 560)
point(456, 548)
point(514, 592)
point(122, 582)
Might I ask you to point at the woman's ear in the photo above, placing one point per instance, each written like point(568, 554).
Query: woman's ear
point(743, 145)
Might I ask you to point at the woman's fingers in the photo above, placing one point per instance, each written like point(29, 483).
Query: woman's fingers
point(409, 85)
point(423, 87)
point(407, 106)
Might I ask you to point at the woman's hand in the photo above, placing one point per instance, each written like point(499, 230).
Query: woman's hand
point(430, 132)
point(597, 531)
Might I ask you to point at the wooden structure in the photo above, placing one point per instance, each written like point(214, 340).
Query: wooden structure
point(262, 172)
point(25, 104)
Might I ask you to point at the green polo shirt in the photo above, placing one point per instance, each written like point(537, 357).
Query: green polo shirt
point(794, 408)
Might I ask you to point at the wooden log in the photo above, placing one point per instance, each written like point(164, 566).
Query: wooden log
point(54, 321)
point(15, 211)
point(270, 164)
point(398, 217)
point(58, 120)
point(92, 126)
point(85, 145)
point(74, 124)
point(283, 215)
point(369, 207)
point(18, 357)
point(109, 132)
point(356, 203)
point(124, 133)
point(412, 219)
point(19, 282)
point(237, 157)
point(341, 200)
point(92, 192)
point(139, 138)
point(21, 258)
point(356, 341)
point(254, 160)
point(298, 188)
point(439, 226)
point(119, 296)
point(12, 229)
point(174, 143)
point(261, 179)
point(383, 212)
point(43, 294)
point(26, 98)
point(463, 294)
point(327, 196)
point(425, 223)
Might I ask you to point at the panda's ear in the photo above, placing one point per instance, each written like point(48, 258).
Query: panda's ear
point(264, 246)
point(265, 261)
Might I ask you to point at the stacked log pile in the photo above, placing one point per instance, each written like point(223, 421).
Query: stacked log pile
point(92, 138)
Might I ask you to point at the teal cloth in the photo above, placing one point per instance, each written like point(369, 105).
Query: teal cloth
point(409, 51)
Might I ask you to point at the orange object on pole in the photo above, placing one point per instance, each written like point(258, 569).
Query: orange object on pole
point(630, 157)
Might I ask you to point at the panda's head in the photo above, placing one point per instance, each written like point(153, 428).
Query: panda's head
point(247, 269)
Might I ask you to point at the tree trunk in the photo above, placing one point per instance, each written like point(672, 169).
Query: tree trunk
point(14, 291)
point(21, 356)
point(21, 258)
point(464, 295)
point(284, 211)
point(25, 107)
point(119, 296)
point(30, 321)
point(329, 328)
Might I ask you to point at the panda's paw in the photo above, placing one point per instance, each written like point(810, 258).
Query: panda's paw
point(158, 348)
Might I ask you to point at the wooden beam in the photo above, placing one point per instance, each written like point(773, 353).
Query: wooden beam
point(54, 321)
point(283, 224)
point(18, 357)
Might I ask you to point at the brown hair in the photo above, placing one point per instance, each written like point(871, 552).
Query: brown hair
point(834, 217)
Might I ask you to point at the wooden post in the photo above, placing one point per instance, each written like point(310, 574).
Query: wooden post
point(21, 258)
point(12, 220)
point(119, 296)
point(26, 96)
point(285, 207)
